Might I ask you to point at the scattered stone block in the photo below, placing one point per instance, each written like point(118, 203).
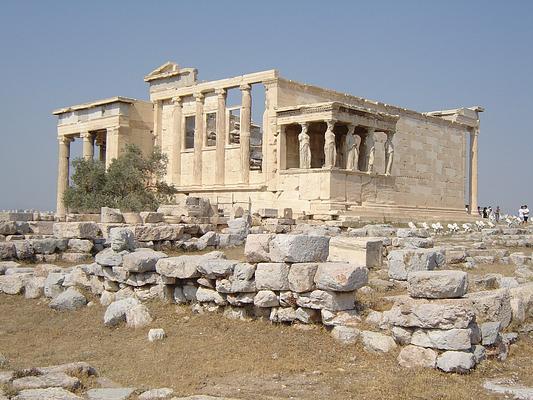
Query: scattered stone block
point(322, 299)
point(456, 361)
point(302, 277)
point(138, 316)
point(272, 276)
point(184, 267)
point(490, 332)
point(375, 342)
point(450, 339)
point(70, 299)
point(121, 239)
point(345, 334)
point(116, 311)
point(76, 230)
point(142, 261)
point(340, 277)
point(299, 248)
point(57, 380)
point(492, 306)
point(401, 262)
point(109, 393)
point(437, 284)
point(110, 215)
point(362, 251)
point(156, 394)
point(256, 248)
point(266, 298)
point(151, 217)
point(417, 357)
point(48, 394)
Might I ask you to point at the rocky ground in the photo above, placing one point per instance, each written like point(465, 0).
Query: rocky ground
point(217, 356)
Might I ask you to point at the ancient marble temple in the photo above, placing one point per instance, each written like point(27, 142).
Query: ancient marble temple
point(317, 151)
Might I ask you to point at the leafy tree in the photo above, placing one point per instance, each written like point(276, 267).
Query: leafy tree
point(132, 183)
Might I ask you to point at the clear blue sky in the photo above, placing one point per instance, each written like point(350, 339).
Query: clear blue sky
point(421, 55)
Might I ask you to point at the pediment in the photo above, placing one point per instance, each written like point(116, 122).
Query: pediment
point(164, 71)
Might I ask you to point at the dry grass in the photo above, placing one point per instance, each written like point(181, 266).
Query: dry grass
point(212, 355)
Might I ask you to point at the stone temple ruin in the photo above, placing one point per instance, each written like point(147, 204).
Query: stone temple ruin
point(325, 154)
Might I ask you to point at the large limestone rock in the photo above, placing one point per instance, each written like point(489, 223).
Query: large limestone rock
point(436, 314)
point(109, 393)
point(299, 248)
point(216, 268)
point(13, 284)
point(266, 298)
point(184, 267)
point(70, 299)
point(53, 285)
point(302, 277)
point(48, 245)
point(256, 248)
point(401, 262)
point(76, 230)
point(34, 287)
point(322, 299)
point(110, 258)
point(121, 239)
point(206, 295)
point(417, 357)
point(7, 251)
point(341, 277)
point(272, 276)
point(492, 306)
point(437, 284)
point(57, 379)
point(456, 361)
point(46, 394)
point(149, 232)
point(24, 249)
point(450, 339)
point(363, 251)
point(80, 245)
point(151, 217)
point(345, 334)
point(156, 394)
point(110, 215)
point(376, 342)
point(142, 261)
point(138, 316)
point(116, 311)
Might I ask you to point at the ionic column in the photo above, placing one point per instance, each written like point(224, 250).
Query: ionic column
point(175, 150)
point(198, 138)
point(158, 112)
point(62, 173)
point(100, 142)
point(282, 147)
point(246, 125)
point(112, 145)
point(88, 145)
point(473, 170)
point(220, 164)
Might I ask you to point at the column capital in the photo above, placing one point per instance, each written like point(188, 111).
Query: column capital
point(304, 125)
point(114, 130)
point(270, 83)
point(199, 97)
point(86, 135)
point(65, 139)
point(245, 87)
point(222, 92)
point(351, 129)
point(177, 101)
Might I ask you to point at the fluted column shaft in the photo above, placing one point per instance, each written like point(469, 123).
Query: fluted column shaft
point(473, 170)
point(88, 145)
point(246, 125)
point(62, 173)
point(198, 138)
point(175, 152)
point(221, 137)
point(158, 113)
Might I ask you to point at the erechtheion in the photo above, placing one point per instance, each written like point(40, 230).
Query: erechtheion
point(315, 150)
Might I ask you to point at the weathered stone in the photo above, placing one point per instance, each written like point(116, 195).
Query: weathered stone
point(437, 284)
point(240, 299)
point(206, 295)
point(492, 306)
point(70, 299)
point(361, 251)
point(80, 245)
point(121, 239)
point(322, 299)
point(142, 260)
point(401, 262)
point(302, 277)
point(401, 335)
point(106, 298)
point(490, 332)
point(58, 379)
point(455, 256)
point(375, 342)
point(266, 298)
point(299, 248)
point(116, 311)
point(256, 248)
point(509, 388)
point(283, 314)
point(184, 267)
point(272, 276)
point(138, 316)
point(156, 394)
point(8, 227)
point(456, 361)
point(7, 250)
point(110, 215)
point(216, 268)
point(13, 284)
point(345, 334)
point(340, 277)
point(24, 249)
point(109, 393)
point(451, 339)
point(479, 353)
point(437, 314)
point(189, 291)
point(417, 357)
point(149, 232)
point(110, 258)
point(151, 217)
point(76, 230)
point(243, 271)
point(307, 315)
point(156, 334)
point(46, 394)
point(49, 245)
point(34, 287)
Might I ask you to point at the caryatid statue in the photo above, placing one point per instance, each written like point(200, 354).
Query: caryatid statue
point(352, 152)
point(389, 153)
point(330, 150)
point(370, 145)
point(305, 149)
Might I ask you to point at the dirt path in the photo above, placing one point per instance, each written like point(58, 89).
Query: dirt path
point(210, 354)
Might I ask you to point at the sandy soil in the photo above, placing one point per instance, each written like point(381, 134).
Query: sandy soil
point(210, 354)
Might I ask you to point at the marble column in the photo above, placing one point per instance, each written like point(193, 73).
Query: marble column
point(112, 145)
point(282, 146)
point(246, 125)
point(473, 170)
point(101, 149)
point(88, 145)
point(198, 138)
point(62, 174)
point(177, 137)
point(370, 148)
point(158, 116)
point(220, 162)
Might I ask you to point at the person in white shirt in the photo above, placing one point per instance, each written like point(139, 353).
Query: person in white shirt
point(525, 214)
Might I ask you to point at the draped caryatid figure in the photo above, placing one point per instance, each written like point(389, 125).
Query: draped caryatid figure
point(330, 151)
point(370, 145)
point(389, 153)
point(305, 149)
point(352, 152)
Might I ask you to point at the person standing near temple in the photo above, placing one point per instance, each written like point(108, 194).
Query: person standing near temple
point(497, 214)
point(523, 213)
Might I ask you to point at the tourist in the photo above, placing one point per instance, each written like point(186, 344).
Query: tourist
point(479, 211)
point(485, 212)
point(523, 213)
point(497, 214)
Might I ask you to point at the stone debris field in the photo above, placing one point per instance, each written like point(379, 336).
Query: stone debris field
point(432, 300)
